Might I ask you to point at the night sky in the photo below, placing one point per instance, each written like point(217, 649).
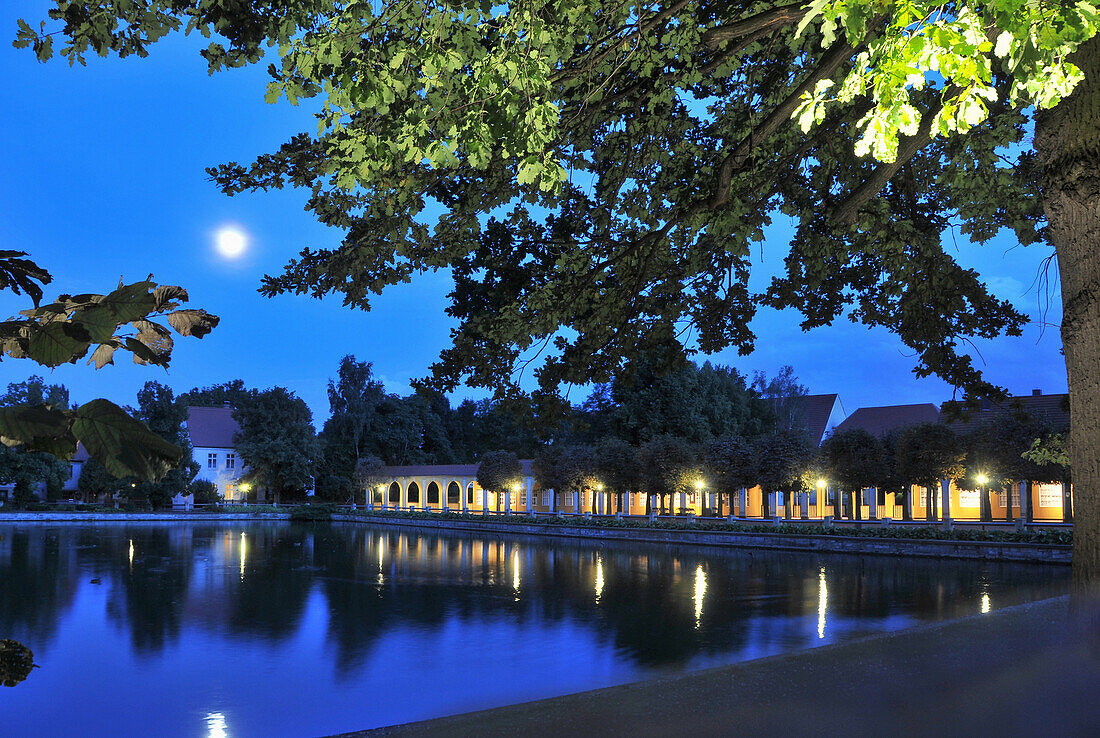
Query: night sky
point(103, 177)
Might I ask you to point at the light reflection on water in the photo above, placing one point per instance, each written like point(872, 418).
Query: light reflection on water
point(277, 629)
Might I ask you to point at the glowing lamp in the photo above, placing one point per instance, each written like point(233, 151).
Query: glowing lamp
point(821, 483)
point(982, 479)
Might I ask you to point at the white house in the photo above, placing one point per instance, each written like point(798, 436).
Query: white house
point(212, 430)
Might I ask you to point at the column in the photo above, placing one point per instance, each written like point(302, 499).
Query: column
point(508, 501)
point(945, 487)
point(424, 492)
point(444, 492)
point(529, 485)
point(683, 501)
point(874, 504)
point(484, 501)
point(1025, 503)
point(742, 496)
point(464, 484)
point(804, 505)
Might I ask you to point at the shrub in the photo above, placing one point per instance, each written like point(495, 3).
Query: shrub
point(205, 492)
point(314, 513)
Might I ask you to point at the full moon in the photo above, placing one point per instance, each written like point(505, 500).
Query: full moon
point(230, 241)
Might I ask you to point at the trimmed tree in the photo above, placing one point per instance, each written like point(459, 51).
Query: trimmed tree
point(497, 472)
point(854, 461)
point(730, 467)
point(926, 454)
point(783, 459)
point(669, 466)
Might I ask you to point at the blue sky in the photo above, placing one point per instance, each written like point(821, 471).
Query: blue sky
point(103, 177)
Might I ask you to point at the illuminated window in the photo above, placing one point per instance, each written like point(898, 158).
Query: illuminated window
point(211, 461)
point(230, 491)
point(231, 461)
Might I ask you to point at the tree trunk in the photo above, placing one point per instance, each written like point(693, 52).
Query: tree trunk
point(1008, 502)
point(1067, 141)
point(838, 505)
point(1028, 490)
point(985, 505)
point(1067, 504)
point(788, 508)
point(765, 505)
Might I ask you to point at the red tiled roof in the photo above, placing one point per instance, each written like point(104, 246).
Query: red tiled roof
point(211, 427)
point(878, 421)
point(1050, 409)
point(447, 470)
point(813, 411)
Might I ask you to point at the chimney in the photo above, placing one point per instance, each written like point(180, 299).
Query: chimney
point(1036, 393)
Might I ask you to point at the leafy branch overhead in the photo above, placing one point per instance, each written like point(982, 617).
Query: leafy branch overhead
point(65, 331)
point(604, 170)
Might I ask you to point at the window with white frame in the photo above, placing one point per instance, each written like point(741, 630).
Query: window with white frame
point(231, 461)
point(212, 461)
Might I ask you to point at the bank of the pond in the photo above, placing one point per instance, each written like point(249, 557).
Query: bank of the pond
point(1017, 671)
point(910, 541)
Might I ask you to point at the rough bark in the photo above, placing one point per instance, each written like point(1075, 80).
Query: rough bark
point(1067, 141)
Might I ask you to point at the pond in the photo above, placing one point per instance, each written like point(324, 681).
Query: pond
point(267, 629)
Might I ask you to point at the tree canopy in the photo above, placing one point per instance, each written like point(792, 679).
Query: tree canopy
point(631, 154)
point(277, 442)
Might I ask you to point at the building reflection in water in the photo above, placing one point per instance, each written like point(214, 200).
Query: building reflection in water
point(700, 592)
point(645, 601)
point(515, 572)
point(599, 578)
point(822, 602)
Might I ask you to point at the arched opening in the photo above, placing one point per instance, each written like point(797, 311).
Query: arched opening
point(395, 493)
point(454, 493)
point(414, 493)
point(433, 494)
point(376, 495)
point(470, 495)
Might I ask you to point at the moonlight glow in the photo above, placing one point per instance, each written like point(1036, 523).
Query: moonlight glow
point(230, 242)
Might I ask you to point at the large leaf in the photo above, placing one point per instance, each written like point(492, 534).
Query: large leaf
point(195, 323)
point(23, 424)
point(98, 319)
point(20, 275)
point(167, 295)
point(130, 302)
point(58, 343)
point(122, 444)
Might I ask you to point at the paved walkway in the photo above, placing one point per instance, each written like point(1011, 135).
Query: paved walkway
point(1017, 671)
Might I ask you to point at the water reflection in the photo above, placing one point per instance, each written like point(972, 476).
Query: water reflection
point(822, 602)
point(377, 611)
point(700, 593)
point(216, 726)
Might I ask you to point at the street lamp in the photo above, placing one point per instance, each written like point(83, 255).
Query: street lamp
point(982, 479)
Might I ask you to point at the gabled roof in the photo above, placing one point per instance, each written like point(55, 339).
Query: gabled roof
point(211, 427)
point(447, 470)
point(878, 421)
point(813, 413)
point(81, 454)
point(1052, 410)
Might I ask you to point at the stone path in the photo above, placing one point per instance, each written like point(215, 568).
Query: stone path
point(1020, 671)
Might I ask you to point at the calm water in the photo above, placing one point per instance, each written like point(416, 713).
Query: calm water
point(278, 629)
